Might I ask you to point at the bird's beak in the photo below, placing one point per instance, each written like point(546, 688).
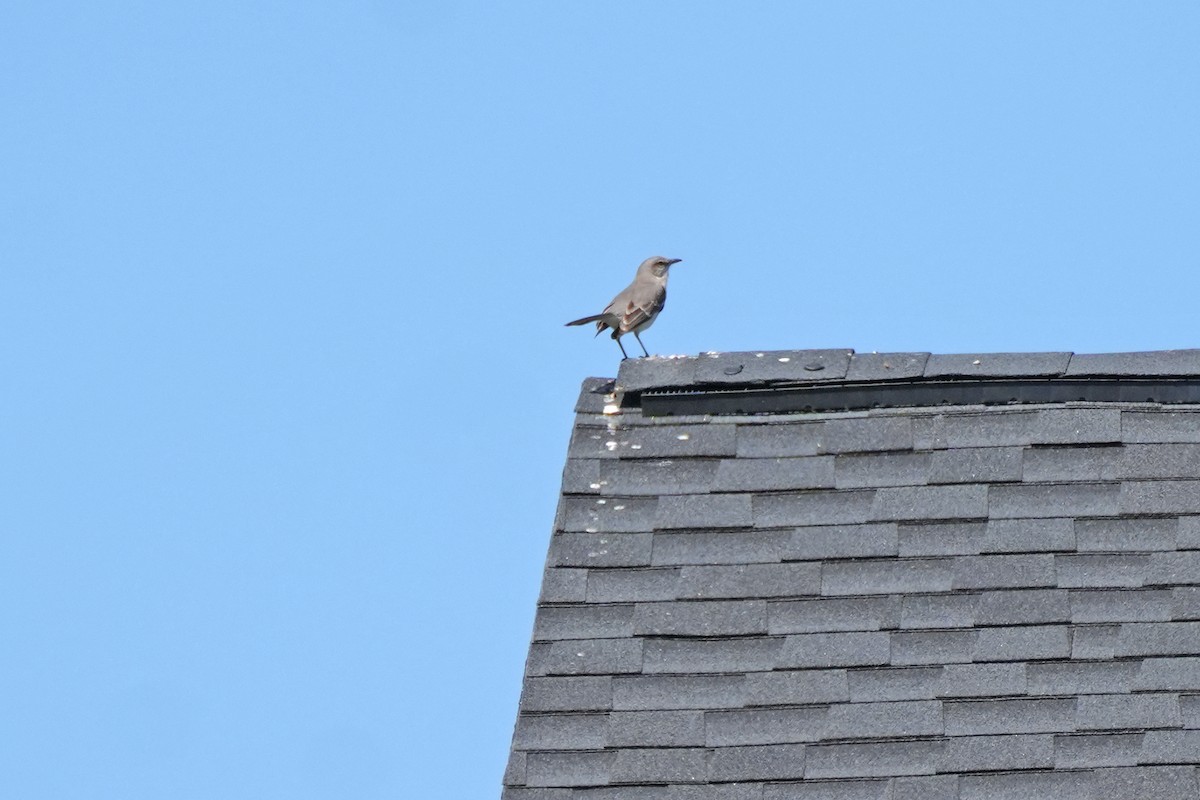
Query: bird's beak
point(673, 261)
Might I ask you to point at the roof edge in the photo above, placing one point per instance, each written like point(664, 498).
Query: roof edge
point(764, 369)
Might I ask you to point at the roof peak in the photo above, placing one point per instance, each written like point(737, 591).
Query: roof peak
point(798, 380)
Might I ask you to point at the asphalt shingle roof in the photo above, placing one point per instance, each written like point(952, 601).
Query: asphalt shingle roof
point(953, 602)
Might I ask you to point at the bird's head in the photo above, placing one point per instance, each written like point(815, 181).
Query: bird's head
point(658, 265)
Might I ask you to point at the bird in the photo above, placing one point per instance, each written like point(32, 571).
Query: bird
point(636, 307)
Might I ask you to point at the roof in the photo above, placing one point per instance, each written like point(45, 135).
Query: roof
point(936, 601)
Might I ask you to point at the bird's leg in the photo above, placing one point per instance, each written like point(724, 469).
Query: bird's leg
point(644, 350)
point(624, 355)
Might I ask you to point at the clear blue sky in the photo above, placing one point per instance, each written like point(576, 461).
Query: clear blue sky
point(286, 392)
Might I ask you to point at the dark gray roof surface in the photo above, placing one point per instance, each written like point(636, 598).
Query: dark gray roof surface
point(944, 602)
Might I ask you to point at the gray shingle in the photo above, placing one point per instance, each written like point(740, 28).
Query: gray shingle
point(630, 585)
point(1189, 709)
point(981, 753)
point(514, 770)
point(1023, 643)
point(887, 577)
point(872, 759)
point(701, 618)
point(833, 614)
point(740, 654)
point(743, 547)
point(1004, 571)
point(1073, 751)
point(1159, 639)
point(607, 515)
point(1024, 785)
point(976, 465)
point(992, 428)
point(1018, 715)
point(1170, 569)
point(600, 549)
point(581, 476)
point(525, 793)
point(1159, 461)
point(843, 541)
point(942, 538)
point(751, 580)
point(1117, 605)
point(584, 693)
point(1188, 535)
point(939, 611)
point(1095, 641)
point(641, 792)
point(835, 650)
point(1168, 674)
point(870, 470)
point(932, 647)
point(966, 501)
point(1056, 464)
point(867, 434)
point(1008, 501)
point(1185, 603)
point(813, 508)
point(703, 511)
point(639, 374)
point(1079, 678)
point(765, 726)
point(561, 732)
point(1160, 497)
point(796, 687)
point(1170, 747)
point(1077, 426)
point(983, 680)
point(780, 440)
point(673, 441)
point(894, 683)
point(830, 790)
point(714, 791)
point(1160, 362)
point(1024, 606)
point(1125, 535)
point(665, 692)
point(775, 474)
point(756, 763)
point(926, 430)
point(629, 476)
point(1108, 711)
point(594, 394)
point(889, 719)
point(932, 787)
point(1101, 571)
point(563, 585)
point(1171, 427)
point(997, 365)
point(1028, 535)
point(886, 366)
point(655, 729)
point(591, 621)
point(778, 365)
point(593, 657)
point(569, 768)
point(660, 765)
point(1161, 783)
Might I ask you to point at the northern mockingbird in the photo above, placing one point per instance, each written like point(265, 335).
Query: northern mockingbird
point(637, 306)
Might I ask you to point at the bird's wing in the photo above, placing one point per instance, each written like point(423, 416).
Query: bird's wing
point(641, 306)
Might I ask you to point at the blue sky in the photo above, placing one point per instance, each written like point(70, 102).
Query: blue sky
point(286, 389)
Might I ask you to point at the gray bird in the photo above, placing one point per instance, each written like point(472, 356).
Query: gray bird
point(637, 306)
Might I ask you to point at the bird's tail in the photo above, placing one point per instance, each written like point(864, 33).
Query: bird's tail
point(585, 320)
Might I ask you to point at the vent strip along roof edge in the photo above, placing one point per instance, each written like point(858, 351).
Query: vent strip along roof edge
point(791, 398)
